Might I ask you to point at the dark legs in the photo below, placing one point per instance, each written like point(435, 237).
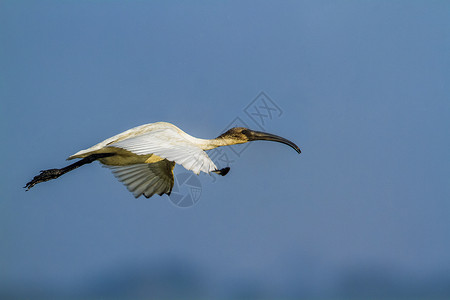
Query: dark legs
point(50, 174)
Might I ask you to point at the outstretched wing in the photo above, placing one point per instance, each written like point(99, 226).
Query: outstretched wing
point(146, 179)
point(169, 144)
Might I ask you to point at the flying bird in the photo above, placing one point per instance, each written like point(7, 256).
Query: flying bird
point(143, 157)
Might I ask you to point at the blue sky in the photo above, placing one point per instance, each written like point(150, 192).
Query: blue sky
point(363, 86)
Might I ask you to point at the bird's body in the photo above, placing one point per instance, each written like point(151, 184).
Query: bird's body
point(143, 157)
point(157, 137)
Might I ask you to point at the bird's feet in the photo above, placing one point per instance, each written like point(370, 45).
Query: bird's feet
point(45, 175)
point(223, 171)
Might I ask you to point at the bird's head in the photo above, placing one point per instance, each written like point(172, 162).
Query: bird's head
point(240, 135)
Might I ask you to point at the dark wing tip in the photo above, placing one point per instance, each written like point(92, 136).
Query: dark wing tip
point(223, 171)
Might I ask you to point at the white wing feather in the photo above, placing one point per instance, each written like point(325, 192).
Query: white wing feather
point(169, 144)
point(146, 179)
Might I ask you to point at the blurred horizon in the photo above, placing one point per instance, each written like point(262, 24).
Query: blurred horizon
point(179, 278)
point(361, 87)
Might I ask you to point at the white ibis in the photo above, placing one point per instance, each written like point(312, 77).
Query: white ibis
point(143, 157)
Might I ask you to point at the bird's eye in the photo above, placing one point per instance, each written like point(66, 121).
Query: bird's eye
point(245, 131)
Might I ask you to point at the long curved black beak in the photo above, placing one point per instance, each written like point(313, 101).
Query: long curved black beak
point(264, 136)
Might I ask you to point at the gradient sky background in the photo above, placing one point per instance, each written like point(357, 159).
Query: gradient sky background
point(364, 89)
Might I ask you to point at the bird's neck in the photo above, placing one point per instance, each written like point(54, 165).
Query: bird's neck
point(205, 144)
point(208, 144)
point(214, 143)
